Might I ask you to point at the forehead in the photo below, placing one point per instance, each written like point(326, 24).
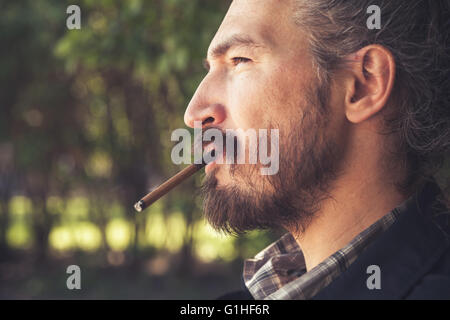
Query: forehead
point(267, 21)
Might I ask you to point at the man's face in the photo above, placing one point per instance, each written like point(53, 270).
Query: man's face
point(261, 76)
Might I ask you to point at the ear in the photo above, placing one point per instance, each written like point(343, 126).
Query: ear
point(372, 76)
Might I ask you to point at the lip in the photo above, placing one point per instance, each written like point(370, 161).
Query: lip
point(210, 166)
point(209, 147)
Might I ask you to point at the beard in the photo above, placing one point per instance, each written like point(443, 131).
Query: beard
point(307, 166)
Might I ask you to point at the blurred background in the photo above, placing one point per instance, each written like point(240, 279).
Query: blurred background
point(85, 123)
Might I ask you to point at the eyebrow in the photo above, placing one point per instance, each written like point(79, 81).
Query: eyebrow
point(236, 40)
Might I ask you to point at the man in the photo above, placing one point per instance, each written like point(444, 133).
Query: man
point(364, 119)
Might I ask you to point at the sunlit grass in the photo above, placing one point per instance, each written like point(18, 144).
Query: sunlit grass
point(19, 233)
point(77, 209)
point(118, 234)
point(55, 205)
point(87, 236)
point(19, 207)
point(61, 239)
point(155, 230)
point(116, 210)
point(210, 245)
point(176, 232)
point(162, 231)
point(84, 235)
point(19, 236)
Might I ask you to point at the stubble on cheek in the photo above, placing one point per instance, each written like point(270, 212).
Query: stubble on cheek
point(267, 98)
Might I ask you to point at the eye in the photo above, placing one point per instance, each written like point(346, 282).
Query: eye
point(239, 60)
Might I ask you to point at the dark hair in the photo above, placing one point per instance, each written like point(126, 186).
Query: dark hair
point(417, 34)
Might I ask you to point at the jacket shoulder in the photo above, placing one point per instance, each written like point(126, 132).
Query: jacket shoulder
point(435, 284)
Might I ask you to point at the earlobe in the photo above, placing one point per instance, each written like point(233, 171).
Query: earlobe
point(370, 84)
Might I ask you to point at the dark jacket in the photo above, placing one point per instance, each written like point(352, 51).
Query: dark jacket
point(413, 256)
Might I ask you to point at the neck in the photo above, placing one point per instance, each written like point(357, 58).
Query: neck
point(358, 199)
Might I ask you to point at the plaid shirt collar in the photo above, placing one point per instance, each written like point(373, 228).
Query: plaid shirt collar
point(279, 272)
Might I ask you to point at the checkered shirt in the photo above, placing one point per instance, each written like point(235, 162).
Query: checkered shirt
point(279, 272)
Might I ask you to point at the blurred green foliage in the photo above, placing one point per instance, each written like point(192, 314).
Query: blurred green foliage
point(86, 118)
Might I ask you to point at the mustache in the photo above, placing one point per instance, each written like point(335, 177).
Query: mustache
point(200, 145)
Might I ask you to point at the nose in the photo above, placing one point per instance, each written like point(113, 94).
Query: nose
point(207, 104)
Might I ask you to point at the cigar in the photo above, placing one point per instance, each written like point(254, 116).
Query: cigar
point(167, 186)
point(164, 188)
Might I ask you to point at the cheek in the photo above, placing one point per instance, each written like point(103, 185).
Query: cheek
point(259, 98)
point(245, 100)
